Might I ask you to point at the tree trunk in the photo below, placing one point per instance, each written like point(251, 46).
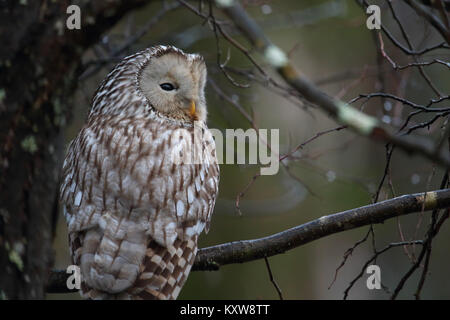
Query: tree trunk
point(39, 65)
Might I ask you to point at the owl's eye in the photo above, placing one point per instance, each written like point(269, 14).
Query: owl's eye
point(167, 86)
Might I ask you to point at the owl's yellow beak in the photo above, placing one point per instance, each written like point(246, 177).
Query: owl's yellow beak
point(192, 108)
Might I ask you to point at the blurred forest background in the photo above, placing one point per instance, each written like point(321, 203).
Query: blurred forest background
point(329, 41)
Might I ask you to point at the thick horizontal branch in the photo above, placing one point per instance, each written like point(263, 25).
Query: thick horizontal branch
point(242, 251)
point(212, 258)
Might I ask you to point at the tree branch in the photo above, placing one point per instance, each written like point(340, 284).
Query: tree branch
point(432, 19)
point(360, 122)
point(212, 258)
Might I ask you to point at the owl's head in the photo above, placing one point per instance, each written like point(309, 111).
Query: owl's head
point(162, 79)
point(173, 82)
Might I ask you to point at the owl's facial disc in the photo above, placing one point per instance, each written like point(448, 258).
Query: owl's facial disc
point(174, 85)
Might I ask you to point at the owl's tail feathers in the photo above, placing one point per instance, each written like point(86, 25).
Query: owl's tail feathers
point(162, 273)
point(164, 270)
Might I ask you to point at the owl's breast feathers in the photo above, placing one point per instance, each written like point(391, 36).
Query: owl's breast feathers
point(135, 204)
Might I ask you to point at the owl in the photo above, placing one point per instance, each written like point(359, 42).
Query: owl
point(140, 180)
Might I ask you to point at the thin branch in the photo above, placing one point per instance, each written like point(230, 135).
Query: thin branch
point(426, 248)
point(431, 18)
point(427, 63)
point(115, 54)
point(347, 254)
point(424, 108)
point(410, 45)
point(271, 278)
point(360, 122)
point(373, 258)
point(441, 45)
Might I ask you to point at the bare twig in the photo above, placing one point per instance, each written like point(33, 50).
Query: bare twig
point(342, 112)
point(347, 254)
point(431, 18)
point(115, 54)
point(271, 278)
point(433, 230)
point(376, 254)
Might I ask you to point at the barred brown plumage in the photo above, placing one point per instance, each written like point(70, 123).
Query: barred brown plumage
point(133, 213)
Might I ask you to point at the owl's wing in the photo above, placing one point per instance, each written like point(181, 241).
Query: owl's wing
point(120, 189)
point(108, 228)
point(182, 196)
point(188, 196)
